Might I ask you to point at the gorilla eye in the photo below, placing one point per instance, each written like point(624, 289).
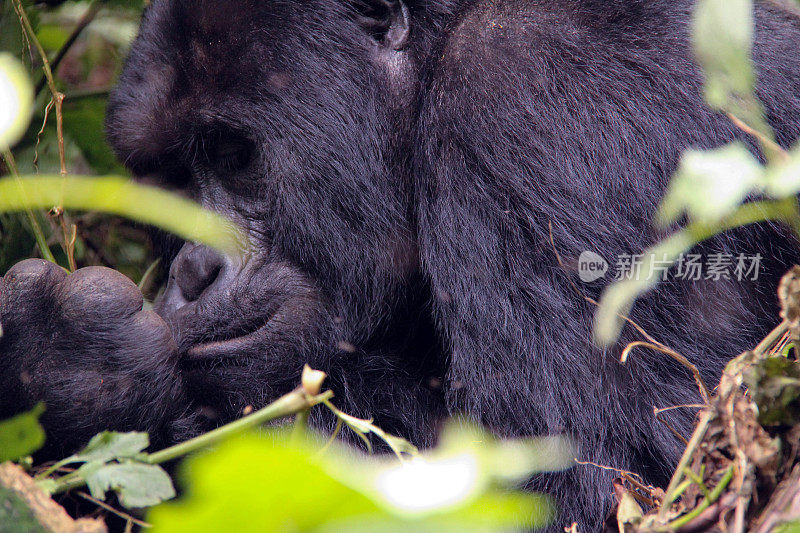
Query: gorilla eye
point(230, 153)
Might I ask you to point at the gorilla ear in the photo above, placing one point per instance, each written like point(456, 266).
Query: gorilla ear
point(387, 21)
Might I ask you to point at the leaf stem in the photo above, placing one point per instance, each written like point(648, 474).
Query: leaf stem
point(710, 498)
point(295, 402)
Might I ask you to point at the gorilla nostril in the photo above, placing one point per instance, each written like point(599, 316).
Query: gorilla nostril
point(195, 269)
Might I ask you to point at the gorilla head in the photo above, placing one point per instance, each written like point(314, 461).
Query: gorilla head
point(294, 121)
point(407, 171)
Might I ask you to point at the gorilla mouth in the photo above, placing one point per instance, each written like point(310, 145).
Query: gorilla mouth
point(227, 349)
point(280, 329)
point(233, 346)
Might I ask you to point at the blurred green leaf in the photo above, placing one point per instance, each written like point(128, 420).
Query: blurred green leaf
point(710, 185)
point(52, 36)
point(21, 435)
point(16, 100)
point(618, 299)
point(126, 198)
point(250, 484)
point(267, 484)
point(722, 36)
point(788, 527)
point(783, 178)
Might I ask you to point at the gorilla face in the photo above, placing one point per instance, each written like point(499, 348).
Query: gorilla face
point(285, 120)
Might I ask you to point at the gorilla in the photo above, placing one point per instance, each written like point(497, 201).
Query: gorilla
point(419, 178)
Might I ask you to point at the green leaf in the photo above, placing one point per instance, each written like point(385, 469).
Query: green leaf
point(517, 460)
point(110, 445)
point(709, 186)
point(722, 36)
point(84, 124)
point(259, 485)
point(783, 178)
point(788, 527)
point(123, 197)
point(136, 484)
point(231, 487)
point(21, 435)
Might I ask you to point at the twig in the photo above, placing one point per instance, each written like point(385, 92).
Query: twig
point(333, 436)
point(632, 477)
point(47, 109)
point(287, 405)
point(765, 141)
point(773, 337)
point(672, 430)
point(111, 509)
point(675, 355)
point(70, 233)
point(658, 410)
point(81, 94)
point(58, 97)
point(57, 100)
point(84, 21)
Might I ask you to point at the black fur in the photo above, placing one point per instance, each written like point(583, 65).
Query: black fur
point(400, 172)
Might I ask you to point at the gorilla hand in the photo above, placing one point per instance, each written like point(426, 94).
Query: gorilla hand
point(82, 344)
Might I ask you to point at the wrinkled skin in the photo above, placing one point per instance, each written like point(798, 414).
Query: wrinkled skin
point(400, 170)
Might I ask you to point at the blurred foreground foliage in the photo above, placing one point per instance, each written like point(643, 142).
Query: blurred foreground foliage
point(293, 480)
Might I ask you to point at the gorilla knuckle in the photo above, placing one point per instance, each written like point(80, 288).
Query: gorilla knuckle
point(100, 291)
point(34, 275)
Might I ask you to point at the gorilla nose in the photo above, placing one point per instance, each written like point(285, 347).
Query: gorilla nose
point(193, 271)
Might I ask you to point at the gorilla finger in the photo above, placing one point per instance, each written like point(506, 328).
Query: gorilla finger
point(150, 341)
point(33, 276)
point(99, 293)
